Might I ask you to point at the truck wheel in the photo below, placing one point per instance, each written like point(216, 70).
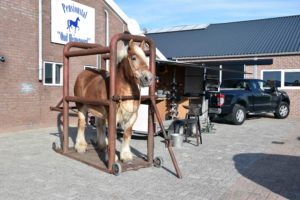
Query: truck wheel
point(238, 115)
point(282, 111)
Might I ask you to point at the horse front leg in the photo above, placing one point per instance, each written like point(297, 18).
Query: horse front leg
point(126, 154)
point(81, 144)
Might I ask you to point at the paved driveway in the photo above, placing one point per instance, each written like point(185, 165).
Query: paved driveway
point(258, 160)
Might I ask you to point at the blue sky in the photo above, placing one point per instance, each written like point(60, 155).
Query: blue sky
point(167, 13)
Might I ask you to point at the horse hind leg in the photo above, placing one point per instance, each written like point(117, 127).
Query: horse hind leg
point(101, 137)
point(81, 144)
point(102, 140)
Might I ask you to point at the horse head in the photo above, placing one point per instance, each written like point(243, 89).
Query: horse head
point(138, 63)
point(77, 19)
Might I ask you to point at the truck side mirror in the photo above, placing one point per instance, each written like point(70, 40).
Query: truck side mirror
point(273, 88)
point(248, 87)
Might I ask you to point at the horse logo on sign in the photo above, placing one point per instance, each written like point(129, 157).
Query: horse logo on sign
point(71, 23)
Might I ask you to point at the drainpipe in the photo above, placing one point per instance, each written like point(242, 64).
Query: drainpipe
point(40, 50)
point(106, 34)
point(220, 76)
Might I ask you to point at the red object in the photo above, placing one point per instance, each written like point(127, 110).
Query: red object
point(221, 99)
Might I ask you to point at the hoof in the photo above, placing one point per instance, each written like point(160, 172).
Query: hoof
point(126, 156)
point(81, 148)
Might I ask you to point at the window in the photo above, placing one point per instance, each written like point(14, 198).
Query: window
point(272, 77)
point(89, 66)
point(292, 79)
point(287, 78)
point(53, 73)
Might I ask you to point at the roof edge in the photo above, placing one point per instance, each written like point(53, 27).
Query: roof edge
point(235, 56)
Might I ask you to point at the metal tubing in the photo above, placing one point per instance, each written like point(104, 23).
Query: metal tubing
point(65, 137)
point(56, 109)
point(171, 152)
point(150, 143)
point(159, 120)
point(87, 101)
point(86, 49)
point(168, 143)
point(112, 105)
point(150, 139)
point(85, 52)
point(121, 98)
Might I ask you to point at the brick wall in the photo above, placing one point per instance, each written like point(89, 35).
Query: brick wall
point(25, 101)
point(19, 91)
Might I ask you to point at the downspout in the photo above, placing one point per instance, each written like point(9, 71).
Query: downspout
point(220, 76)
point(40, 50)
point(106, 34)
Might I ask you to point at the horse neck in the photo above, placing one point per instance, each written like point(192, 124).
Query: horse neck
point(125, 77)
point(124, 72)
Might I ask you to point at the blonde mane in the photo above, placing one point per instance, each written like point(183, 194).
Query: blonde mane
point(124, 53)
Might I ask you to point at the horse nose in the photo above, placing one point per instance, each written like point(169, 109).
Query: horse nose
point(148, 77)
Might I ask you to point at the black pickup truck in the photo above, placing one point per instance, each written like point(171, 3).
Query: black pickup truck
point(239, 97)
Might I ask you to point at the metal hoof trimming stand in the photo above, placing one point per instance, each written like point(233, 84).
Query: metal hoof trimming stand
point(92, 156)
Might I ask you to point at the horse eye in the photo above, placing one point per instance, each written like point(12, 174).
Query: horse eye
point(133, 57)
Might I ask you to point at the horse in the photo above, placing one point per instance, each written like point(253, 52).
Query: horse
point(73, 23)
point(132, 73)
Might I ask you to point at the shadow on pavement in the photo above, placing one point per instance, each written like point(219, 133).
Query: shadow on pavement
point(278, 173)
point(91, 138)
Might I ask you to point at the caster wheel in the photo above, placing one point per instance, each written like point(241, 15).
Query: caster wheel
point(158, 162)
point(116, 169)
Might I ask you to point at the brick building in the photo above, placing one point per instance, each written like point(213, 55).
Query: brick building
point(31, 57)
point(269, 49)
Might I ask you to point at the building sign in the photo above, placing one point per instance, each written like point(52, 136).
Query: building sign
point(72, 22)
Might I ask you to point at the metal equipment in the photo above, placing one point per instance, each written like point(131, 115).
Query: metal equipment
point(93, 157)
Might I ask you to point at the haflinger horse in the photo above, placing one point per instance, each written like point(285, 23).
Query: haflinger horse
point(132, 73)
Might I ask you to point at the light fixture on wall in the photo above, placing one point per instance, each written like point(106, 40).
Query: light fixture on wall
point(2, 58)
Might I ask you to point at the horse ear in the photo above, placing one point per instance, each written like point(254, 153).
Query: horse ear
point(130, 43)
point(142, 45)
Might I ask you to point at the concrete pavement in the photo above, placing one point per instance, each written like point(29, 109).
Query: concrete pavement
point(258, 160)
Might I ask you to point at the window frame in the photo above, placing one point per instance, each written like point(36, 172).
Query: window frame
point(282, 76)
point(90, 66)
point(53, 74)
